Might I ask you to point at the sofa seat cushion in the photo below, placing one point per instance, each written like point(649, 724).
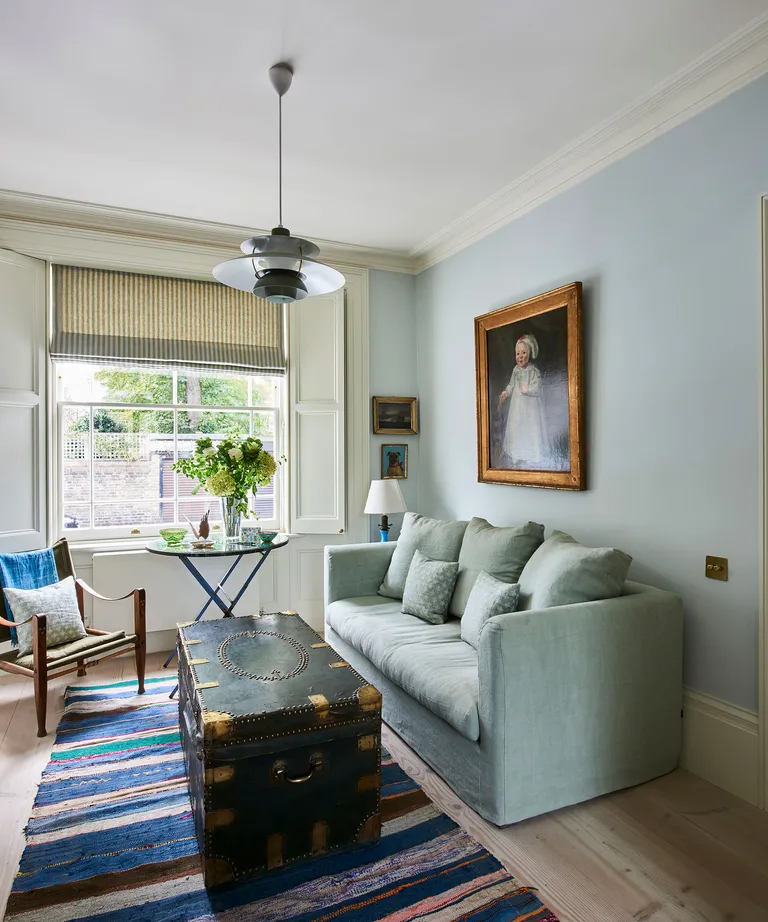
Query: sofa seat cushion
point(428, 661)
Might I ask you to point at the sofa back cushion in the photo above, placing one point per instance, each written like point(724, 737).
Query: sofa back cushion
point(501, 552)
point(564, 572)
point(489, 597)
point(436, 539)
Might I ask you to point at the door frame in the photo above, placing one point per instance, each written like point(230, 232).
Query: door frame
point(763, 513)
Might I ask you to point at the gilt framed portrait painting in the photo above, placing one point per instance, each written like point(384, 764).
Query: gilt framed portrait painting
point(530, 403)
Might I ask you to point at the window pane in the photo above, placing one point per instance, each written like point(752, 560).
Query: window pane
point(194, 509)
point(263, 502)
point(119, 385)
point(213, 391)
point(129, 513)
point(76, 454)
point(75, 382)
point(76, 516)
point(128, 450)
point(265, 391)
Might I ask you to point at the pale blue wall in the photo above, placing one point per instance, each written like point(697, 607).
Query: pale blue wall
point(667, 245)
point(393, 370)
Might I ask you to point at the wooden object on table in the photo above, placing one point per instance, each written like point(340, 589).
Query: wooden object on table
point(282, 745)
point(43, 666)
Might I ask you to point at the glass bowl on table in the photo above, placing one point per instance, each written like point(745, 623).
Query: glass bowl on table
point(173, 537)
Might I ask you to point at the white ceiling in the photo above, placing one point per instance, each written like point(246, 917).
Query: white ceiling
point(404, 114)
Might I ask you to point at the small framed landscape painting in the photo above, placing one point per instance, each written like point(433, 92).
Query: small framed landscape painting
point(394, 462)
point(530, 403)
point(395, 416)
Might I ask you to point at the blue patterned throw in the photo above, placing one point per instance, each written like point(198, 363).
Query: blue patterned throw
point(31, 570)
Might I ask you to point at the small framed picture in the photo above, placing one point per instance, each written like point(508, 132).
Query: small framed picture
point(395, 416)
point(394, 462)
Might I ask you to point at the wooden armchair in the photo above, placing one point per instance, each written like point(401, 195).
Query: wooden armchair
point(47, 662)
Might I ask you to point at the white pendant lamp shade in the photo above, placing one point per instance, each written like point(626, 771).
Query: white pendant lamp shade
point(277, 266)
point(384, 498)
point(270, 256)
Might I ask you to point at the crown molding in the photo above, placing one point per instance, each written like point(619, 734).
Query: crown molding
point(720, 71)
point(63, 216)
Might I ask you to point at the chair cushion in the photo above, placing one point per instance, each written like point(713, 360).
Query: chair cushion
point(58, 602)
point(428, 588)
point(428, 661)
point(501, 552)
point(87, 645)
point(489, 597)
point(435, 539)
point(564, 572)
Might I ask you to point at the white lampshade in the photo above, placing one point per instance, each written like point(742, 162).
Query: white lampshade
point(384, 498)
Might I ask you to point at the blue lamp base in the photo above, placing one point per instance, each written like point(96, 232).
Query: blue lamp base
point(384, 532)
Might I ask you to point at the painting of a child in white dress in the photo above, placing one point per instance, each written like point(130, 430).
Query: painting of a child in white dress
point(530, 413)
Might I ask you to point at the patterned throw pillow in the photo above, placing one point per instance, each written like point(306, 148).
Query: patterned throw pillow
point(58, 602)
point(428, 588)
point(489, 597)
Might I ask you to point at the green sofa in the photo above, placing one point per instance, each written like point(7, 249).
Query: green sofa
point(554, 707)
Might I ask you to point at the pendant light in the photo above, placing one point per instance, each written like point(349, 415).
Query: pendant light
point(277, 266)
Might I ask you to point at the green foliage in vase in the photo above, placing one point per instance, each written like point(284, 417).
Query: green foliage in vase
point(232, 468)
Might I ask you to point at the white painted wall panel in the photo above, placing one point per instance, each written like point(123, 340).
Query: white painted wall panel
point(22, 402)
point(317, 447)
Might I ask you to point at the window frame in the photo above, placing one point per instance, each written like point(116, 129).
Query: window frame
point(139, 532)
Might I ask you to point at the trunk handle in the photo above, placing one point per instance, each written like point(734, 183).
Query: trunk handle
point(280, 770)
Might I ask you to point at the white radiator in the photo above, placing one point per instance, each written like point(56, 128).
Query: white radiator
point(173, 594)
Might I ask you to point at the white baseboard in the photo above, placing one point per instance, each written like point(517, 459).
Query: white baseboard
point(720, 744)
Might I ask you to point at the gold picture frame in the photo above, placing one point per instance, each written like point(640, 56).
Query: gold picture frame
point(395, 415)
point(530, 395)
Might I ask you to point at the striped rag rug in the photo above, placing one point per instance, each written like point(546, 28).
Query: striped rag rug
point(111, 838)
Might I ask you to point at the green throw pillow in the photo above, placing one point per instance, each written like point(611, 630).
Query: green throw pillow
point(501, 552)
point(489, 597)
point(428, 588)
point(435, 539)
point(58, 602)
point(564, 572)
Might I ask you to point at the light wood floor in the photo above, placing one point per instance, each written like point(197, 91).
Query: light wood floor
point(674, 850)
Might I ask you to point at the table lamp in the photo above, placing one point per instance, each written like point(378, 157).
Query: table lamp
point(384, 497)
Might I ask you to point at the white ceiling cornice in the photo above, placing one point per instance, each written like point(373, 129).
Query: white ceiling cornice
point(725, 68)
point(106, 220)
point(735, 62)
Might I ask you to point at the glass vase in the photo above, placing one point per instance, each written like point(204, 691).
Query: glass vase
point(230, 517)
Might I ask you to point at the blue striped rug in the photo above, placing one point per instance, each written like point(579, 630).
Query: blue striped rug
point(111, 838)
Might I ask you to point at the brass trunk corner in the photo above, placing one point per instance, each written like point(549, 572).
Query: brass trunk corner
point(216, 818)
point(371, 829)
point(368, 783)
point(219, 774)
point(274, 851)
point(217, 725)
point(369, 698)
point(217, 871)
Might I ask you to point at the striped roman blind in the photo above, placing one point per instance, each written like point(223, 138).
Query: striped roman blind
point(130, 319)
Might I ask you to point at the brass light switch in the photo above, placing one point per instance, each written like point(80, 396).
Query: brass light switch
point(717, 568)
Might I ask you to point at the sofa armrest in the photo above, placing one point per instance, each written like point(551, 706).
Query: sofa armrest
point(355, 569)
point(582, 695)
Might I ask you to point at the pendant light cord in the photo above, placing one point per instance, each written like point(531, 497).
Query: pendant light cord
point(280, 157)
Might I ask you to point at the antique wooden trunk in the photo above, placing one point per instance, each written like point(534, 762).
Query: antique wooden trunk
point(282, 744)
